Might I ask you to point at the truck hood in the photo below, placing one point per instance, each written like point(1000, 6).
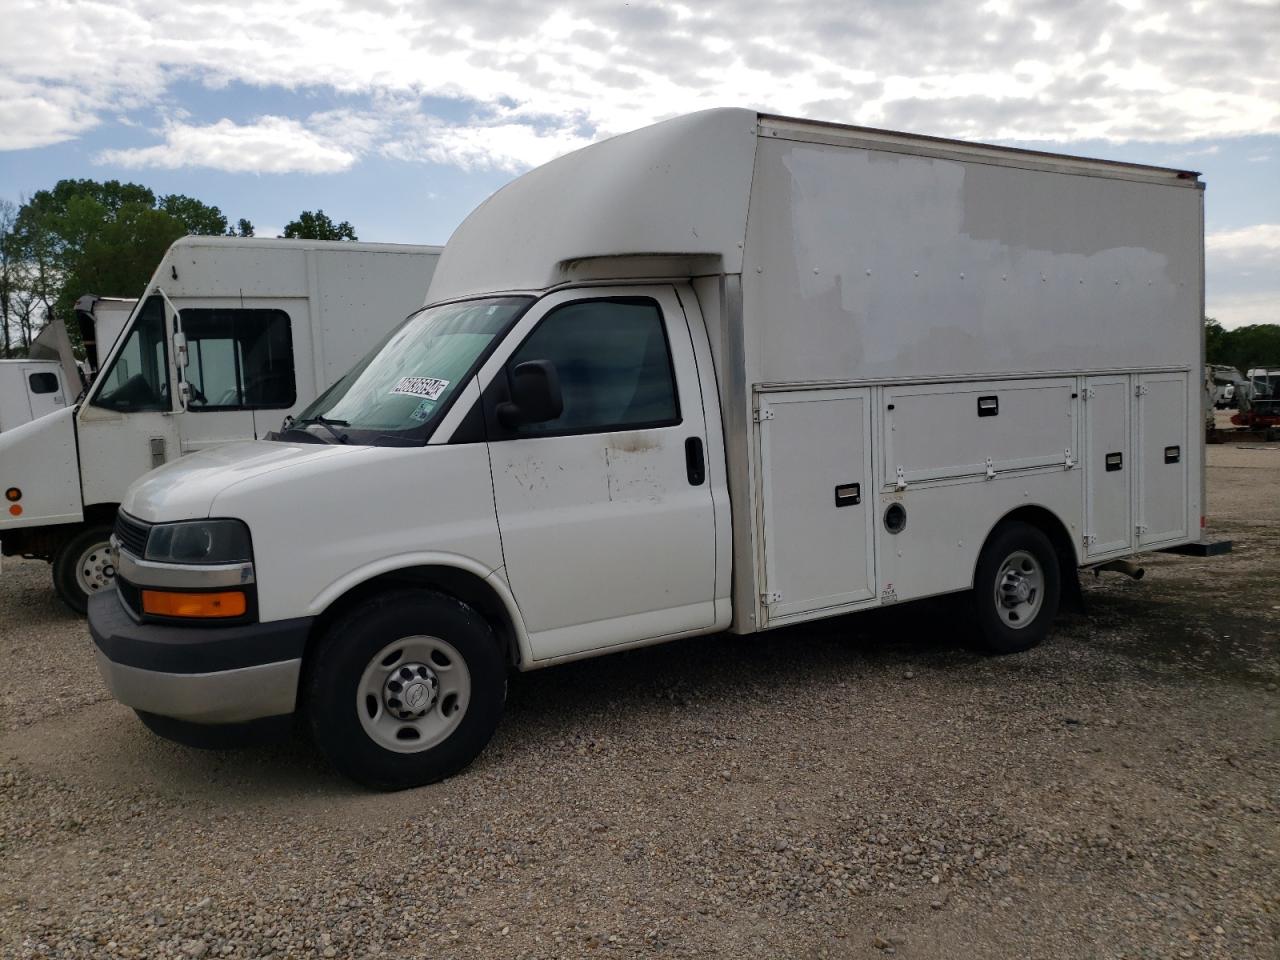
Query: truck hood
point(185, 489)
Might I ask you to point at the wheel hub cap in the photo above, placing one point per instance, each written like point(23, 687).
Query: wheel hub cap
point(1016, 589)
point(411, 689)
point(96, 568)
point(1019, 589)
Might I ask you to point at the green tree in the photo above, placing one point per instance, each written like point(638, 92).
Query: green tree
point(1257, 345)
point(197, 217)
point(243, 228)
point(1215, 341)
point(85, 236)
point(318, 226)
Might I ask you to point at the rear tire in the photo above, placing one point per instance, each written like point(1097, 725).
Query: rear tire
point(405, 689)
point(1016, 589)
point(82, 566)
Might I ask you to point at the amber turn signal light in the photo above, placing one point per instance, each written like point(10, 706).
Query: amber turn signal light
point(13, 494)
point(161, 603)
point(16, 509)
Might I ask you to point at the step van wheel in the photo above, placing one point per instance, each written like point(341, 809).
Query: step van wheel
point(1016, 589)
point(405, 689)
point(84, 566)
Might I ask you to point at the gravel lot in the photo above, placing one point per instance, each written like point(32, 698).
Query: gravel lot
point(859, 788)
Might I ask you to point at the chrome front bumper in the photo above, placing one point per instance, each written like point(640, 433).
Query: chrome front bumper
point(199, 674)
point(226, 696)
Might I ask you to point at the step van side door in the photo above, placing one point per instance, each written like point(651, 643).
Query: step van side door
point(818, 500)
point(1109, 466)
point(1160, 400)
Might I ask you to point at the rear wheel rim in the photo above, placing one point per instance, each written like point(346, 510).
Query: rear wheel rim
point(413, 694)
point(95, 569)
point(1019, 590)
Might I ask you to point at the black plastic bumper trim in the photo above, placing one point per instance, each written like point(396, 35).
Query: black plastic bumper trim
point(164, 648)
point(1201, 548)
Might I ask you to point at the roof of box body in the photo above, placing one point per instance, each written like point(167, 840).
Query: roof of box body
point(291, 243)
point(677, 188)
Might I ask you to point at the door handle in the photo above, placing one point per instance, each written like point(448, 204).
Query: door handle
point(848, 494)
point(694, 463)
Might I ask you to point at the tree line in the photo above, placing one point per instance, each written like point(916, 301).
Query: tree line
point(104, 238)
point(1257, 345)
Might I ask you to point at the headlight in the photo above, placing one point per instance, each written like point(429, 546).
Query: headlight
point(199, 541)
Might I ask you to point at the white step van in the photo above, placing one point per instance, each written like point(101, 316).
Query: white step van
point(50, 378)
point(728, 372)
point(231, 336)
point(29, 389)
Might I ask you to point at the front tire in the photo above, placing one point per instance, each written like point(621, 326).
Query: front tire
point(83, 567)
point(1016, 589)
point(405, 689)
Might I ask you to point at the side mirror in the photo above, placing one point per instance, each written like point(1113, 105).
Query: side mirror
point(535, 395)
point(180, 350)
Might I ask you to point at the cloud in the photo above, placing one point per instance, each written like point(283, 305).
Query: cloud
point(510, 147)
point(267, 145)
point(1021, 69)
point(1243, 271)
point(36, 115)
point(1244, 309)
point(1260, 241)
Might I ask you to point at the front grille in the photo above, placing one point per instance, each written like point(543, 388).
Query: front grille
point(132, 534)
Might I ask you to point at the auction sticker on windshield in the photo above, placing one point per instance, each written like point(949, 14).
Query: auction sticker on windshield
point(427, 387)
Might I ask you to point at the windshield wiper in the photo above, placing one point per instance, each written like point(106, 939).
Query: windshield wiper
point(327, 424)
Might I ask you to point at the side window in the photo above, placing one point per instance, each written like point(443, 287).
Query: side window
point(239, 359)
point(43, 382)
point(138, 377)
point(614, 366)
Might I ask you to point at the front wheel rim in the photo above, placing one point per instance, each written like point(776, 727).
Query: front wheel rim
point(94, 568)
point(413, 694)
point(1019, 590)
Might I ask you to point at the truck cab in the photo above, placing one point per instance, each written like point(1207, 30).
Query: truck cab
point(230, 337)
point(29, 389)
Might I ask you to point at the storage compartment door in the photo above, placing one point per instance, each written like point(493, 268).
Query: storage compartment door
point(1108, 466)
point(815, 455)
point(1162, 457)
point(946, 430)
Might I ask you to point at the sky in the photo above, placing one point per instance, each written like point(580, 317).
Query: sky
point(402, 117)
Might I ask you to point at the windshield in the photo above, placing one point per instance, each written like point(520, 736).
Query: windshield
point(138, 378)
point(393, 395)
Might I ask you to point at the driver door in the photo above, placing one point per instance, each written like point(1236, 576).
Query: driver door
point(606, 517)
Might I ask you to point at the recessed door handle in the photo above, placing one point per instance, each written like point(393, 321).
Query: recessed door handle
point(694, 463)
point(848, 495)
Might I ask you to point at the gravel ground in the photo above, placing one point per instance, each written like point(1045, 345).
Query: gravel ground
point(859, 788)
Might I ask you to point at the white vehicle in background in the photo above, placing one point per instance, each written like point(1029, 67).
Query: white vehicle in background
point(50, 378)
point(100, 321)
point(30, 389)
point(231, 336)
point(1265, 382)
point(728, 372)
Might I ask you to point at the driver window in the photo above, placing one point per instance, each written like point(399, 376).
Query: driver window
point(613, 363)
point(138, 378)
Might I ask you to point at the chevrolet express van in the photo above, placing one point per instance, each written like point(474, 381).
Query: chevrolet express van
point(728, 372)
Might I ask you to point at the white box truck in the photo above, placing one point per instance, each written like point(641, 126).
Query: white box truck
point(29, 389)
point(263, 327)
point(727, 372)
point(49, 378)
